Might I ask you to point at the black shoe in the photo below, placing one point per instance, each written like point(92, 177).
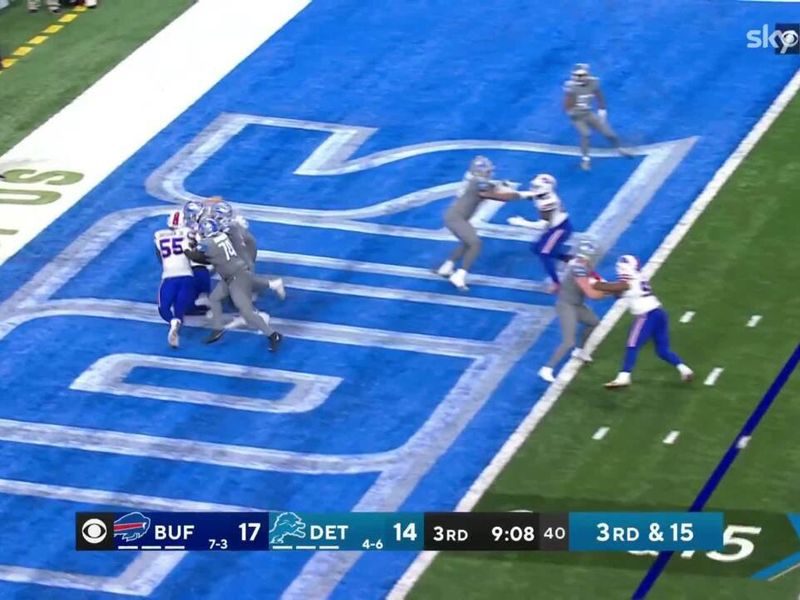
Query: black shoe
point(274, 341)
point(214, 336)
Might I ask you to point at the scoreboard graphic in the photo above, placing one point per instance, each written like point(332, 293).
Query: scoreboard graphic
point(370, 531)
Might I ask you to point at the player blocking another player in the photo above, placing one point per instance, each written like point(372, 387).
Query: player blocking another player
point(580, 91)
point(477, 179)
point(572, 310)
point(215, 248)
point(553, 222)
point(651, 320)
point(192, 212)
point(177, 290)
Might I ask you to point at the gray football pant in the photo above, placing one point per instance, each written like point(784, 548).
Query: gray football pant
point(585, 123)
point(240, 290)
point(569, 315)
point(470, 245)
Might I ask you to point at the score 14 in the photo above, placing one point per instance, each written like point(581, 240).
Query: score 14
point(408, 533)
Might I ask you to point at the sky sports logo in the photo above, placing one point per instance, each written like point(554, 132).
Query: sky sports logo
point(784, 38)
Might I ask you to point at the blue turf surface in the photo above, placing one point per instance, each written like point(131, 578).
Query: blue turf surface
point(418, 72)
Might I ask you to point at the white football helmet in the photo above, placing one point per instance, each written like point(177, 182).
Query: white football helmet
point(176, 220)
point(627, 266)
point(543, 184)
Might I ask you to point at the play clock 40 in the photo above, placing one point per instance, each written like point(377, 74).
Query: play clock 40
point(496, 531)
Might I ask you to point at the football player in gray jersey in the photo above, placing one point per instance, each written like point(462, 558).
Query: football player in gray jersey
point(246, 246)
point(580, 92)
point(476, 180)
point(215, 248)
point(576, 286)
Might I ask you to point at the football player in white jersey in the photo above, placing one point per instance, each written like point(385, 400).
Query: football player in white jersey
point(553, 222)
point(177, 290)
point(650, 320)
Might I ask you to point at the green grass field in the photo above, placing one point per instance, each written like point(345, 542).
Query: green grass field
point(719, 271)
point(56, 71)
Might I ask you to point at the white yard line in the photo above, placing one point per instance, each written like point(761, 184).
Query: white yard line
point(600, 433)
point(672, 436)
point(553, 393)
point(713, 376)
point(754, 320)
point(99, 130)
point(687, 316)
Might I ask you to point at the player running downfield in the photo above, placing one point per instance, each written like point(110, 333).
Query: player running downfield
point(650, 322)
point(215, 248)
point(580, 92)
point(572, 310)
point(477, 179)
point(177, 290)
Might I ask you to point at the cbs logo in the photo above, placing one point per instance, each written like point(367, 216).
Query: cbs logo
point(94, 531)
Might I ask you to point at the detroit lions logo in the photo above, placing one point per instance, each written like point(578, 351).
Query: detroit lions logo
point(132, 526)
point(286, 523)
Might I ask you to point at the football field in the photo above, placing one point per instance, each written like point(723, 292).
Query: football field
point(340, 130)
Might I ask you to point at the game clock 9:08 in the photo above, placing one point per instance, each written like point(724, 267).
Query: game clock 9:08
point(515, 533)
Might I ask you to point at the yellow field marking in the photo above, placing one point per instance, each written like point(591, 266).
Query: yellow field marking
point(41, 38)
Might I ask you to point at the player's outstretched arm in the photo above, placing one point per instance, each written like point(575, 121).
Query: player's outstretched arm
point(590, 290)
point(612, 287)
point(502, 195)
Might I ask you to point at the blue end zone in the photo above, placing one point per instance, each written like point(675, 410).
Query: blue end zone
point(417, 73)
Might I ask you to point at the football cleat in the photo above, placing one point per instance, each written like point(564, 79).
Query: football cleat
point(459, 279)
point(172, 337)
point(546, 373)
point(620, 381)
point(446, 270)
point(275, 341)
point(586, 163)
point(581, 354)
point(214, 336)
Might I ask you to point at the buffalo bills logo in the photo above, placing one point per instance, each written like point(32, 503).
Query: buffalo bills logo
point(131, 526)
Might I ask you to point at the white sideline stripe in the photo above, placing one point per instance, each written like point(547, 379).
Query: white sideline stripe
point(600, 433)
point(551, 396)
point(671, 437)
point(754, 320)
point(713, 376)
point(238, 27)
point(687, 316)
